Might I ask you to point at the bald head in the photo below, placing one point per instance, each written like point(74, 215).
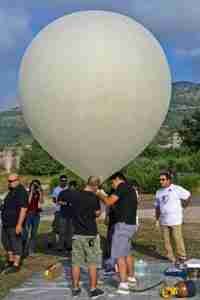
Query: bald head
point(93, 183)
point(13, 176)
point(13, 180)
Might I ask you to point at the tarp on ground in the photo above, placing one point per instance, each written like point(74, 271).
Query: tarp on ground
point(37, 287)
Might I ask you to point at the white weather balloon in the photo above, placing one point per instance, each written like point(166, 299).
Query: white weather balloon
point(94, 88)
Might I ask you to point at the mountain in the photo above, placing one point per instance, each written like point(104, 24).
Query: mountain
point(13, 129)
point(185, 100)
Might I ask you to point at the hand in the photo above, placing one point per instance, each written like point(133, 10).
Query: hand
point(101, 193)
point(18, 229)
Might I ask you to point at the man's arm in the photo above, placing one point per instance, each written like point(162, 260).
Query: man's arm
point(157, 213)
point(21, 219)
point(41, 196)
point(30, 196)
point(108, 200)
point(61, 199)
point(97, 213)
point(186, 202)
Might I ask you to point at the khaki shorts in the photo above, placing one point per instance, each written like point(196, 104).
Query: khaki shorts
point(86, 250)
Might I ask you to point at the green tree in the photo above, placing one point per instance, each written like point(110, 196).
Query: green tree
point(36, 161)
point(190, 131)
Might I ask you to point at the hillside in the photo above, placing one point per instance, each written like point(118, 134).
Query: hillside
point(185, 99)
point(13, 129)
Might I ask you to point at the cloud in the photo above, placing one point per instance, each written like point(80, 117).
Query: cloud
point(15, 27)
point(194, 53)
point(172, 21)
point(176, 25)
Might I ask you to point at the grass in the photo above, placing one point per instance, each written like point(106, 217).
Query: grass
point(148, 245)
point(30, 265)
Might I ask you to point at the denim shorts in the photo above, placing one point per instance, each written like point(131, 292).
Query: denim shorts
point(122, 240)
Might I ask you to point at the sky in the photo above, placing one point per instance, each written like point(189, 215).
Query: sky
point(175, 23)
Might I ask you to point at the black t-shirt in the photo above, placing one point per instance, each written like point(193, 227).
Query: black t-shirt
point(13, 202)
point(126, 207)
point(84, 206)
point(67, 197)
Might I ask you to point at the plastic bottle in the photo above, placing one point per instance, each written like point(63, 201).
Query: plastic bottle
point(140, 268)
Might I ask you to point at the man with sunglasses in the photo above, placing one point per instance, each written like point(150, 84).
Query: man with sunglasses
point(13, 215)
point(170, 200)
point(58, 225)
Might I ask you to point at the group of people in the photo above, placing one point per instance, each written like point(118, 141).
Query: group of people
point(75, 225)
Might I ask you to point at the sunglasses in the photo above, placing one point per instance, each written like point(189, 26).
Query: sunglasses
point(10, 181)
point(163, 179)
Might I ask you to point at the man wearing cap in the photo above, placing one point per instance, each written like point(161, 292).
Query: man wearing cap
point(13, 216)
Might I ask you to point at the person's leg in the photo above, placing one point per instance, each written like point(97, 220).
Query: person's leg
point(62, 233)
point(52, 241)
point(117, 251)
point(92, 270)
point(122, 267)
point(109, 239)
point(5, 239)
point(26, 235)
point(109, 261)
point(179, 242)
point(77, 261)
point(93, 251)
point(76, 276)
point(130, 266)
point(16, 241)
point(68, 233)
point(33, 233)
point(166, 230)
point(131, 231)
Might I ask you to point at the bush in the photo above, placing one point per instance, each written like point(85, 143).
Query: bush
point(189, 181)
point(145, 172)
point(36, 161)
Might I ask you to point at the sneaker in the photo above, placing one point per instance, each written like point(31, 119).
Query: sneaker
point(132, 281)
point(123, 288)
point(76, 292)
point(12, 269)
point(8, 264)
point(180, 263)
point(96, 293)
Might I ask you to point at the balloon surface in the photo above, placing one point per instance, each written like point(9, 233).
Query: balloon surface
point(95, 88)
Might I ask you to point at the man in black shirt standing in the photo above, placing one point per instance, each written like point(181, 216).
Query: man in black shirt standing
point(125, 200)
point(85, 244)
point(13, 215)
point(65, 199)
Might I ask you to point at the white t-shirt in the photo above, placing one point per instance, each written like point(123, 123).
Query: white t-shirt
point(55, 194)
point(169, 201)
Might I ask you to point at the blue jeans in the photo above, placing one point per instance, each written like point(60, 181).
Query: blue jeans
point(30, 232)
